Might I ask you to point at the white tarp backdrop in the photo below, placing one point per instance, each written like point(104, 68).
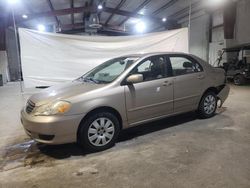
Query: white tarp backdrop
point(49, 58)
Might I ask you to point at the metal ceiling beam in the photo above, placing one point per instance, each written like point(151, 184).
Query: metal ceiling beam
point(80, 27)
point(106, 32)
point(172, 24)
point(181, 14)
point(116, 8)
point(187, 14)
point(129, 14)
point(28, 7)
point(30, 10)
point(135, 12)
point(60, 12)
point(182, 11)
point(167, 5)
point(87, 9)
point(70, 26)
point(52, 9)
point(91, 2)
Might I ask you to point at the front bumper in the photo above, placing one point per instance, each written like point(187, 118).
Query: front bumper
point(51, 129)
point(223, 94)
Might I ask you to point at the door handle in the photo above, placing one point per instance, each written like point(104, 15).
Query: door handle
point(167, 83)
point(200, 76)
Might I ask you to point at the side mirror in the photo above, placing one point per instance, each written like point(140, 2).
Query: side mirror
point(135, 78)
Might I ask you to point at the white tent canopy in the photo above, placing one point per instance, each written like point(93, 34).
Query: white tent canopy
point(49, 58)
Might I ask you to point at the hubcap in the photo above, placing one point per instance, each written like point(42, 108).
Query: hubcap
point(101, 131)
point(209, 104)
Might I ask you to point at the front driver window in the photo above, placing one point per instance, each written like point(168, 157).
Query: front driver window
point(152, 68)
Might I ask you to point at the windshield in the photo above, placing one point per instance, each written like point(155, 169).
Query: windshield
point(109, 71)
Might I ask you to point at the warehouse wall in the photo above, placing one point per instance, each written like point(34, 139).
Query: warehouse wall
point(3, 55)
point(4, 66)
point(217, 41)
point(14, 72)
point(198, 43)
point(199, 36)
point(218, 34)
point(217, 26)
point(242, 30)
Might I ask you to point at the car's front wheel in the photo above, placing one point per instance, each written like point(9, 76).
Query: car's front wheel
point(99, 131)
point(208, 105)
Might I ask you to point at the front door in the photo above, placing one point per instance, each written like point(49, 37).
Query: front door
point(154, 96)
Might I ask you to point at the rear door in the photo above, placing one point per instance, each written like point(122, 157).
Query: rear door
point(189, 82)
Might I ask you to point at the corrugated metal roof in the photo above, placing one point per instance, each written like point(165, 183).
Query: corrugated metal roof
point(149, 8)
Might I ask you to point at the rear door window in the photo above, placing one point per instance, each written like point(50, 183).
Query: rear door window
point(184, 65)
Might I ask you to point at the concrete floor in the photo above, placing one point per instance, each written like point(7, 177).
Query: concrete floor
point(181, 151)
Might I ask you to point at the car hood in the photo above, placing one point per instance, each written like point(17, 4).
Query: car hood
point(63, 91)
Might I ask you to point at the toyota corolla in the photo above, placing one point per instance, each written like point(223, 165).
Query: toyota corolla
point(121, 93)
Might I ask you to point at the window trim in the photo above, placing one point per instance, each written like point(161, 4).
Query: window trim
point(190, 58)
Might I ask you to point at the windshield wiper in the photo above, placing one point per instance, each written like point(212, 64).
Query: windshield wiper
point(103, 82)
point(87, 79)
point(90, 79)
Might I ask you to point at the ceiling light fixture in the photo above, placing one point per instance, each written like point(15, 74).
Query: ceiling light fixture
point(164, 19)
point(140, 27)
point(141, 12)
point(13, 1)
point(41, 27)
point(133, 20)
point(24, 16)
point(100, 7)
point(215, 3)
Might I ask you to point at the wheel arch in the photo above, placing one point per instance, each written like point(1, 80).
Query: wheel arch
point(100, 109)
point(213, 89)
point(216, 91)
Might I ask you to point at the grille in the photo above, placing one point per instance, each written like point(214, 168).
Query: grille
point(30, 106)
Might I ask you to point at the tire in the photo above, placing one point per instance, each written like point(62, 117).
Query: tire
point(99, 131)
point(239, 80)
point(208, 105)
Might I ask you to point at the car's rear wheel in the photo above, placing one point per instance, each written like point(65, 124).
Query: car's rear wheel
point(239, 80)
point(208, 105)
point(99, 131)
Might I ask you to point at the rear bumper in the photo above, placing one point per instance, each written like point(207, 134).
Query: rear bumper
point(223, 94)
point(51, 129)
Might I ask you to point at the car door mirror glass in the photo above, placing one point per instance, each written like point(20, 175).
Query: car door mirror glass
point(135, 78)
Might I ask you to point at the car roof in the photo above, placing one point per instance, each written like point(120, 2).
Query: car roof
point(145, 55)
point(157, 53)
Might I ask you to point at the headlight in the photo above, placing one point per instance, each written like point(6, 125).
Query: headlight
point(58, 107)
